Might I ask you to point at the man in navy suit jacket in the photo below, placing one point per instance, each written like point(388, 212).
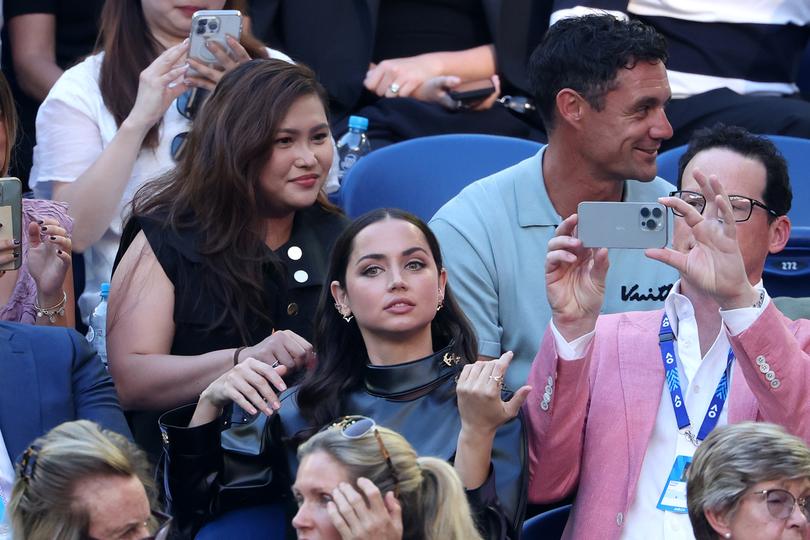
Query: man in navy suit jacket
point(49, 376)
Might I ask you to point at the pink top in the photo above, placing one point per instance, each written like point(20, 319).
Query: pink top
point(20, 305)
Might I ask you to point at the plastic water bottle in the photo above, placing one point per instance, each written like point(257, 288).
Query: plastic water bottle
point(97, 334)
point(353, 145)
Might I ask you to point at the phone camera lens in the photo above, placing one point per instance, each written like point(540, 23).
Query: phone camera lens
point(645, 212)
point(657, 213)
point(201, 29)
point(651, 224)
point(212, 26)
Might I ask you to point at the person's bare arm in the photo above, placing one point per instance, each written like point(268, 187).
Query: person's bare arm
point(409, 73)
point(33, 51)
point(140, 331)
point(94, 196)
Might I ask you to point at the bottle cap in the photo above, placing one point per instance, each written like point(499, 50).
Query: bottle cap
point(358, 122)
point(105, 290)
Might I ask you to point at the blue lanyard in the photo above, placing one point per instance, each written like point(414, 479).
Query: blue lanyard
point(666, 342)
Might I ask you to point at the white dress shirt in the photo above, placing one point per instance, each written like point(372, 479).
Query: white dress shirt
point(6, 482)
point(699, 378)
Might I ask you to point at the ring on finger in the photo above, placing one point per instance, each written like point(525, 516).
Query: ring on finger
point(498, 379)
point(394, 88)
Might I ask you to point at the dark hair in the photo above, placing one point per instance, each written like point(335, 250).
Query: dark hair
point(129, 47)
point(777, 195)
point(8, 113)
point(341, 351)
point(585, 54)
point(215, 188)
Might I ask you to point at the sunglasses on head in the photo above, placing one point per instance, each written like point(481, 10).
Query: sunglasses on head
point(357, 427)
point(188, 105)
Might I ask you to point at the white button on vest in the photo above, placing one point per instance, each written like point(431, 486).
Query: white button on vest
point(294, 253)
point(301, 276)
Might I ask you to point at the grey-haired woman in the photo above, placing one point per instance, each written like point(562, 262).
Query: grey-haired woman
point(750, 481)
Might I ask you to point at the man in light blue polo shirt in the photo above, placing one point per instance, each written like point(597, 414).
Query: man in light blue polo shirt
point(600, 87)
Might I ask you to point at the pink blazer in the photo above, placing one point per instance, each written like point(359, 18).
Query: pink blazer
point(593, 429)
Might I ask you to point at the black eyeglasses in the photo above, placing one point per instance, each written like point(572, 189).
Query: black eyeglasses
point(188, 105)
point(741, 206)
point(780, 503)
point(357, 427)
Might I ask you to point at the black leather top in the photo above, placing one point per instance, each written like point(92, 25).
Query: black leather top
point(430, 422)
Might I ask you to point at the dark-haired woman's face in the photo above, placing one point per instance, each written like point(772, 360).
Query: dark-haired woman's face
point(300, 159)
point(392, 283)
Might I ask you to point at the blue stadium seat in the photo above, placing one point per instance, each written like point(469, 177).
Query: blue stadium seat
point(548, 525)
point(786, 273)
point(420, 175)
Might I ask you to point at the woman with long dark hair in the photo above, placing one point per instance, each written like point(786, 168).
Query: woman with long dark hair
point(393, 345)
point(111, 122)
point(224, 257)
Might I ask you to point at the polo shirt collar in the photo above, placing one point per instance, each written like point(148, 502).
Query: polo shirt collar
point(533, 204)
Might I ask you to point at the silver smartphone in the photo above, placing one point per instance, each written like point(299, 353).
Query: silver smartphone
point(11, 217)
point(630, 225)
point(213, 25)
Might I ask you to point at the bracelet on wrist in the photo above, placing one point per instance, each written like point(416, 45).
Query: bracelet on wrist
point(57, 310)
point(236, 355)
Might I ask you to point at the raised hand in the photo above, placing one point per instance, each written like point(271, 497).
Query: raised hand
point(478, 390)
point(48, 255)
point(159, 84)
point(208, 76)
point(365, 517)
point(285, 347)
point(575, 281)
point(713, 264)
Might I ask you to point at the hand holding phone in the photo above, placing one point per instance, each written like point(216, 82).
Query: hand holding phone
point(213, 26)
point(10, 224)
point(214, 47)
point(629, 225)
point(470, 93)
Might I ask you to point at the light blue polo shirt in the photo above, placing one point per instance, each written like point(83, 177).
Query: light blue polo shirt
point(494, 237)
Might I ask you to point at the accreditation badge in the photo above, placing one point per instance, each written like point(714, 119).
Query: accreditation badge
point(673, 498)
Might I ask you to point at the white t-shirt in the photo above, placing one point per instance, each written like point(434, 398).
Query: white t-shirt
point(73, 128)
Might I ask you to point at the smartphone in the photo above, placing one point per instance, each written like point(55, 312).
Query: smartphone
point(213, 25)
point(11, 217)
point(472, 92)
point(629, 225)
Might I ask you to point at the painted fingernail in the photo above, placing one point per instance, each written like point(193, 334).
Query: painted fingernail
point(40, 222)
point(172, 85)
point(16, 255)
point(16, 242)
point(53, 238)
point(59, 251)
point(44, 228)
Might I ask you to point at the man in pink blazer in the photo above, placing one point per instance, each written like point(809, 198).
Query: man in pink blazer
point(601, 418)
